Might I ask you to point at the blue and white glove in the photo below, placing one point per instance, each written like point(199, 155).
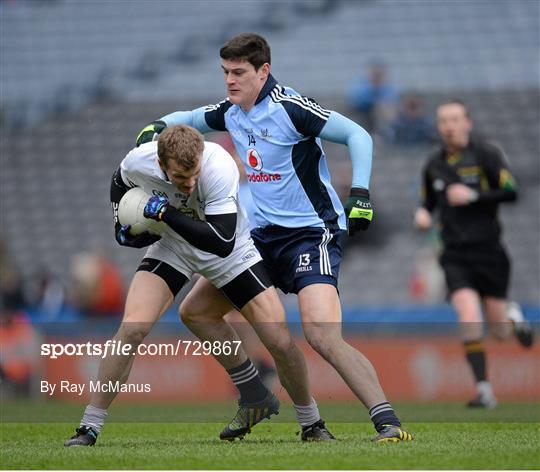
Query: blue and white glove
point(155, 207)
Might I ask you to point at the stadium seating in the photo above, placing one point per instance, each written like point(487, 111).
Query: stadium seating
point(84, 88)
point(55, 60)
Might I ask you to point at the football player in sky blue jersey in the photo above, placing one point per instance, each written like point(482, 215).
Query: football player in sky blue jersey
point(300, 222)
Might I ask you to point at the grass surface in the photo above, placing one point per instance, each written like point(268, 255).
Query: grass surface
point(488, 444)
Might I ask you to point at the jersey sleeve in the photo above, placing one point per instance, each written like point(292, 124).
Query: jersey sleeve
point(340, 129)
point(498, 171)
point(220, 184)
point(307, 116)
point(127, 170)
point(502, 184)
point(194, 118)
point(214, 115)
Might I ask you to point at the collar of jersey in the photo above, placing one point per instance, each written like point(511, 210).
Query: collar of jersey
point(269, 85)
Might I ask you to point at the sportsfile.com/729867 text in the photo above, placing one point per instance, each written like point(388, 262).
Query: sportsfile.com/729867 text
point(112, 347)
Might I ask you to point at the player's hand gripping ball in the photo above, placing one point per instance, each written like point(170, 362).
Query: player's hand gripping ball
point(131, 212)
point(125, 238)
point(358, 210)
point(155, 207)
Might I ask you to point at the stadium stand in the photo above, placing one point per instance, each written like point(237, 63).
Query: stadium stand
point(76, 92)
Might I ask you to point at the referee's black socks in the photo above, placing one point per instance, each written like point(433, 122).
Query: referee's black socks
point(476, 357)
point(248, 382)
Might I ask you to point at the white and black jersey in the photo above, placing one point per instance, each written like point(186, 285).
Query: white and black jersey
point(216, 193)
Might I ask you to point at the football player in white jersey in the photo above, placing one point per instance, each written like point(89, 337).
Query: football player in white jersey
point(195, 192)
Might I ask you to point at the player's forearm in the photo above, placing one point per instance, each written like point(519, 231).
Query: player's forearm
point(340, 129)
point(216, 235)
point(194, 118)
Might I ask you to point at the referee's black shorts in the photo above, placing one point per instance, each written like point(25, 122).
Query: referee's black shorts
point(484, 268)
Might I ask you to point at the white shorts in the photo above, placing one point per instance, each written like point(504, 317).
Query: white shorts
point(188, 260)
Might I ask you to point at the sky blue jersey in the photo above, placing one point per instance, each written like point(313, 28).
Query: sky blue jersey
point(278, 142)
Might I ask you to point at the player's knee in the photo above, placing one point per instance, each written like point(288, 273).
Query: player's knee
point(188, 312)
point(281, 348)
point(133, 333)
point(321, 343)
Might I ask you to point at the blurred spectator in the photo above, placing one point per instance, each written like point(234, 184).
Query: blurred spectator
point(374, 98)
point(47, 294)
point(412, 125)
point(11, 288)
point(18, 339)
point(97, 285)
point(19, 359)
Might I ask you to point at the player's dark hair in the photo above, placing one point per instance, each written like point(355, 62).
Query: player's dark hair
point(249, 47)
point(182, 144)
point(455, 101)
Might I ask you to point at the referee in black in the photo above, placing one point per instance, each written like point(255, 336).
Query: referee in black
point(464, 181)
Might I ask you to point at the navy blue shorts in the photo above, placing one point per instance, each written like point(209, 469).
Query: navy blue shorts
point(298, 257)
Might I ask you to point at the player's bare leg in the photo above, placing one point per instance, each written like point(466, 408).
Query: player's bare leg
point(467, 304)
point(203, 310)
point(147, 299)
point(267, 316)
point(321, 320)
point(252, 346)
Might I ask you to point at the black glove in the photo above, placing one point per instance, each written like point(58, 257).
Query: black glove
point(150, 132)
point(358, 210)
point(125, 238)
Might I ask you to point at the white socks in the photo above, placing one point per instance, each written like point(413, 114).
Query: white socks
point(484, 389)
point(514, 312)
point(94, 417)
point(307, 415)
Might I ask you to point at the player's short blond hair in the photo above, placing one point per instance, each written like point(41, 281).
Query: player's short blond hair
point(182, 144)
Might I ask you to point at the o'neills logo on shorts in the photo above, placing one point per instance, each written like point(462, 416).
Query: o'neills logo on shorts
point(263, 177)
